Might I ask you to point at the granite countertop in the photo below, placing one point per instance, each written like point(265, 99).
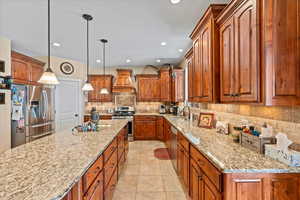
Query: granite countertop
point(227, 156)
point(48, 168)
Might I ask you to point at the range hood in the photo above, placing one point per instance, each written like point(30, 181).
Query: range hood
point(123, 82)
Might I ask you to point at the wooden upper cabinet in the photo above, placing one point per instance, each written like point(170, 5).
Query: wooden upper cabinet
point(177, 91)
point(165, 85)
point(148, 87)
point(246, 53)
point(205, 78)
point(36, 72)
point(190, 68)
point(282, 52)
point(98, 82)
point(25, 70)
point(227, 61)
point(239, 52)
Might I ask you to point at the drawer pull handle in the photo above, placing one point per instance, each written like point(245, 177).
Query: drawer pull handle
point(200, 177)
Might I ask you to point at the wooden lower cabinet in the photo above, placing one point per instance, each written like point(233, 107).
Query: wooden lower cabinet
point(145, 127)
point(110, 188)
point(183, 164)
point(201, 187)
point(160, 128)
point(99, 182)
point(262, 186)
point(96, 190)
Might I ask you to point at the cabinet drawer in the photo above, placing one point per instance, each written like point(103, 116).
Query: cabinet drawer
point(105, 117)
point(110, 188)
point(110, 167)
point(183, 141)
point(110, 149)
point(145, 118)
point(208, 168)
point(96, 189)
point(92, 173)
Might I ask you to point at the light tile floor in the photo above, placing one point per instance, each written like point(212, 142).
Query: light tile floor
point(144, 177)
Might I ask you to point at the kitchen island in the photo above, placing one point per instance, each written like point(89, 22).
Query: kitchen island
point(48, 168)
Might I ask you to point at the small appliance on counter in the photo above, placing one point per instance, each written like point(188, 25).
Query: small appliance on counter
point(174, 110)
point(95, 117)
point(162, 109)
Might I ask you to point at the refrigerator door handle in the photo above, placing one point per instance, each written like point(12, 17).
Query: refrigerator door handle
point(46, 105)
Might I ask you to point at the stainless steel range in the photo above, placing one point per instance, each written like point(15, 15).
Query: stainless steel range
point(126, 112)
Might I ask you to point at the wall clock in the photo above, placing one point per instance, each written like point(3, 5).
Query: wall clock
point(67, 68)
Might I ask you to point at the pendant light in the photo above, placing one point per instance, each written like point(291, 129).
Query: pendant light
point(48, 77)
point(104, 90)
point(87, 86)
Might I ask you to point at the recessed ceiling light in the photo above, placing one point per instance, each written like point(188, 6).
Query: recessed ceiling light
point(98, 61)
point(175, 1)
point(163, 43)
point(128, 60)
point(56, 44)
point(180, 50)
point(158, 60)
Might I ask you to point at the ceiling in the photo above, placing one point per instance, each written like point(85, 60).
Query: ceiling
point(134, 28)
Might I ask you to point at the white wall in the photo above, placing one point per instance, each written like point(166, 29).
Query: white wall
point(5, 55)
point(5, 110)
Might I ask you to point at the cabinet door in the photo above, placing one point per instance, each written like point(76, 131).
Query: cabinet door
point(180, 154)
point(209, 190)
point(196, 182)
point(197, 78)
point(160, 128)
point(190, 79)
point(205, 67)
point(178, 85)
point(36, 72)
point(285, 188)
point(148, 88)
point(144, 130)
point(20, 70)
point(282, 47)
point(93, 95)
point(227, 61)
point(98, 82)
point(183, 165)
point(246, 52)
point(165, 85)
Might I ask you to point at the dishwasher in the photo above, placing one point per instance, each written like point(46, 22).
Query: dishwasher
point(173, 152)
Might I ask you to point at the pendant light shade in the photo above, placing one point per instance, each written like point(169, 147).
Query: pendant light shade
point(49, 77)
point(87, 86)
point(104, 90)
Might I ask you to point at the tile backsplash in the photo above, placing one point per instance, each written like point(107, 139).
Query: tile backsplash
point(148, 107)
point(282, 119)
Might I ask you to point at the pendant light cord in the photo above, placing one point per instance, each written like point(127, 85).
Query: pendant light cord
point(49, 42)
point(104, 59)
point(87, 46)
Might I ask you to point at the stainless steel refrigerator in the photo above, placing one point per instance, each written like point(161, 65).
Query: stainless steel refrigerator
point(32, 113)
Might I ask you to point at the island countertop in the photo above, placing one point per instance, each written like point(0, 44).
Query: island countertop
point(48, 168)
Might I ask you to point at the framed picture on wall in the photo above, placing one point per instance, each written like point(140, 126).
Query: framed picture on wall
point(206, 120)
